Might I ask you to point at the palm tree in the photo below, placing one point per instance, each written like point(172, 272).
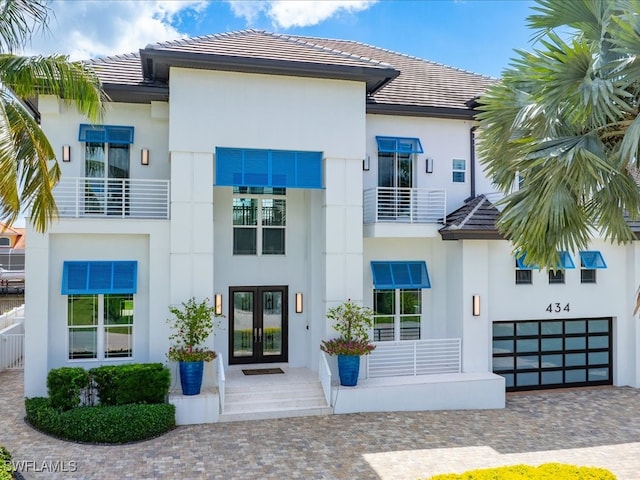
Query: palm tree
point(560, 133)
point(28, 166)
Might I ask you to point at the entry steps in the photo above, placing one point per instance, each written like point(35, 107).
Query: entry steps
point(256, 401)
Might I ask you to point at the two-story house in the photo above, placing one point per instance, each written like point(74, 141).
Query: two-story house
point(281, 175)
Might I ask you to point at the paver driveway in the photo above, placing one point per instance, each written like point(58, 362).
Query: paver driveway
point(598, 427)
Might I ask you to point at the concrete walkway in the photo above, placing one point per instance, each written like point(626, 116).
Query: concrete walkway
point(598, 427)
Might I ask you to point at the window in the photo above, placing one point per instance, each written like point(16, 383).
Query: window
point(259, 221)
point(459, 168)
point(100, 326)
point(5, 242)
point(556, 276)
point(524, 272)
point(587, 275)
point(397, 314)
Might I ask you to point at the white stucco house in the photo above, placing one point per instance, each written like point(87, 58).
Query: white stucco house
point(282, 175)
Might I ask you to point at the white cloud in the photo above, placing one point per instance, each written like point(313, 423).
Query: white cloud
point(286, 13)
point(86, 29)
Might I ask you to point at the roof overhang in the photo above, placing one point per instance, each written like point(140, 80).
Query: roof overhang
point(157, 63)
point(463, 234)
point(136, 93)
point(420, 111)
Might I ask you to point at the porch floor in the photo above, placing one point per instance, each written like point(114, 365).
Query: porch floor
point(296, 393)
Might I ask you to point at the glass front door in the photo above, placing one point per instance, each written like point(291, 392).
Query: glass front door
point(258, 324)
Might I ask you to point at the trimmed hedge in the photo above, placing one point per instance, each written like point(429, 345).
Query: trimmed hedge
point(101, 424)
point(65, 385)
point(6, 467)
point(547, 471)
point(131, 383)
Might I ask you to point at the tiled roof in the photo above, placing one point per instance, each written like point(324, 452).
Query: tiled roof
point(476, 219)
point(420, 84)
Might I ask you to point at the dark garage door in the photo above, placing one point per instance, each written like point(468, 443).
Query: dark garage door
point(535, 354)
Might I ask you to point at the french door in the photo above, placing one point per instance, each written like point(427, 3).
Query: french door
point(107, 172)
point(258, 324)
point(395, 180)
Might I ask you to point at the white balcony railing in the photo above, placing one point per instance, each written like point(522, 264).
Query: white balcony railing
point(418, 357)
point(404, 205)
point(112, 197)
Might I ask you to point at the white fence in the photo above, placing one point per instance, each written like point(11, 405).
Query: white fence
point(419, 357)
point(12, 339)
point(404, 205)
point(112, 197)
point(325, 377)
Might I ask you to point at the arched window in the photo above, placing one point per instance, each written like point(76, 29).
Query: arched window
point(5, 242)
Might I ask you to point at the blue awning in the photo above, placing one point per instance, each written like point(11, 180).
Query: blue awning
point(399, 145)
point(566, 261)
point(400, 274)
point(99, 277)
point(106, 134)
point(592, 259)
point(245, 167)
point(520, 262)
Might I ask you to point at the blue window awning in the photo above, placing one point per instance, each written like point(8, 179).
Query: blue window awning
point(566, 261)
point(105, 134)
point(400, 274)
point(99, 277)
point(523, 265)
point(592, 259)
point(399, 145)
point(245, 167)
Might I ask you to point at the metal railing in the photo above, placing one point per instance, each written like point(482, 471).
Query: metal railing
point(404, 205)
point(112, 197)
point(415, 357)
point(221, 381)
point(325, 377)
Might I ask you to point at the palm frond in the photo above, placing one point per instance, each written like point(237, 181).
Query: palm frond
point(19, 19)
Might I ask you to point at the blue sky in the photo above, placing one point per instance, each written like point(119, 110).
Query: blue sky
point(475, 35)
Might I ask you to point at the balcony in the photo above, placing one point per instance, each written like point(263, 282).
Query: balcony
point(112, 198)
point(404, 205)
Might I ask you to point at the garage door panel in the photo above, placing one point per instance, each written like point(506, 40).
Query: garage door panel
point(534, 354)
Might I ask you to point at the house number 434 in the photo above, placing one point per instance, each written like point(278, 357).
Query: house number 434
point(557, 308)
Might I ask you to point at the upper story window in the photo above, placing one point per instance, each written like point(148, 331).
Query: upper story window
point(458, 169)
point(259, 221)
point(395, 161)
point(5, 242)
point(590, 262)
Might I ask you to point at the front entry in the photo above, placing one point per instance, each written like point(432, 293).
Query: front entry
point(258, 324)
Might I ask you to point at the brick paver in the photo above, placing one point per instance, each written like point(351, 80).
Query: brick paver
point(599, 427)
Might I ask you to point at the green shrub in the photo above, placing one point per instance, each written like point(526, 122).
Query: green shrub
point(65, 385)
point(131, 383)
point(101, 424)
point(547, 471)
point(6, 467)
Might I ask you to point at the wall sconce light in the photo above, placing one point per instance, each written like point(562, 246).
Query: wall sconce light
point(66, 153)
point(299, 302)
point(365, 164)
point(476, 305)
point(429, 165)
point(144, 156)
point(218, 303)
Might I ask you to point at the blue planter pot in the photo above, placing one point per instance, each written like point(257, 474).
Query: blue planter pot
point(348, 369)
point(191, 377)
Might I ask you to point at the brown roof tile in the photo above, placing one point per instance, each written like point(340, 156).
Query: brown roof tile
point(476, 219)
point(420, 84)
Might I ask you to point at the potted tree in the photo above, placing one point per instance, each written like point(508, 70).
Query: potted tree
point(192, 324)
point(353, 323)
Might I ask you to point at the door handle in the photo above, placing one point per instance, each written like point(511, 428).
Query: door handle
point(260, 334)
point(255, 335)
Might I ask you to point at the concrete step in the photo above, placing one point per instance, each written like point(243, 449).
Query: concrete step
point(278, 413)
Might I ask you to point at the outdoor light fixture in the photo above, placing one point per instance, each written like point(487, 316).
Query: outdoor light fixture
point(476, 305)
point(299, 302)
point(366, 164)
point(429, 165)
point(218, 305)
point(66, 153)
point(144, 156)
